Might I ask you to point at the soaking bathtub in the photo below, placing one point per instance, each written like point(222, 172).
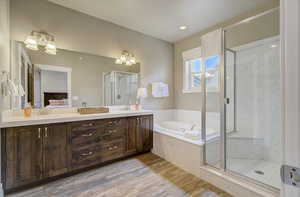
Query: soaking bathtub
point(182, 123)
point(172, 139)
point(187, 131)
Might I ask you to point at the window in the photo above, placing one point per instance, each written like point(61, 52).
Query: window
point(212, 74)
point(192, 74)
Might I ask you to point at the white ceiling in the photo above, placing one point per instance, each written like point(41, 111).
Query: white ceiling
point(162, 18)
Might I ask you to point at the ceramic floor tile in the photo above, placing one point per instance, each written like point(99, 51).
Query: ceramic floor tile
point(142, 176)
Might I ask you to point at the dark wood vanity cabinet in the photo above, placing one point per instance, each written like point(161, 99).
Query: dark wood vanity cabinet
point(23, 156)
point(34, 153)
point(140, 134)
point(132, 133)
point(145, 133)
point(55, 150)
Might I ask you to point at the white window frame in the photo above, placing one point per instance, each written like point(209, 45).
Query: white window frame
point(189, 55)
point(187, 75)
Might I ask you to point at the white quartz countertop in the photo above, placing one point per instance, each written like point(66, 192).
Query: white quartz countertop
point(16, 121)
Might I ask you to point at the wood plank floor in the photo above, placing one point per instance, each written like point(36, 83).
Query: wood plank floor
point(142, 176)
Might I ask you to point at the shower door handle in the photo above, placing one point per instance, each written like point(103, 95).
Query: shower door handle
point(227, 100)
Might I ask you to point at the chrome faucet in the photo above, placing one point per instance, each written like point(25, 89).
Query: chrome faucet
point(194, 125)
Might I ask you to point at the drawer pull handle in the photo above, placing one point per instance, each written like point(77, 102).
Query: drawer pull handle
point(87, 125)
point(113, 148)
point(112, 131)
point(86, 154)
point(88, 135)
point(39, 133)
point(46, 131)
point(113, 122)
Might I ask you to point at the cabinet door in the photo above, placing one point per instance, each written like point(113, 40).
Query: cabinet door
point(146, 127)
point(145, 133)
point(56, 150)
point(131, 137)
point(23, 156)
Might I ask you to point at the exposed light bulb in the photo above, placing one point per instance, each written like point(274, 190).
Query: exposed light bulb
point(36, 39)
point(31, 40)
point(123, 58)
point(132, 60)
point(51, 45)
point(32, 47)
point(128, 63)
point(126, 58)
point(31, 43)
point(51, 48)
point(118, 61)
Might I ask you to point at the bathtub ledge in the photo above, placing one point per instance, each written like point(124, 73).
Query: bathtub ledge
point(195, 142)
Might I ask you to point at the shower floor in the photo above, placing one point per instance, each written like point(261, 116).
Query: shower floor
point(250, 167)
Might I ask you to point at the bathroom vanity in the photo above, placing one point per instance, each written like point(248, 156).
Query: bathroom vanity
point(46, 149)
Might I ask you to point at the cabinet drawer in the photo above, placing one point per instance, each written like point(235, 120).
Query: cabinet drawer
point(113, 123)
point(97, 154)
point(83, 125)
point(110, 133)
point(90, 137)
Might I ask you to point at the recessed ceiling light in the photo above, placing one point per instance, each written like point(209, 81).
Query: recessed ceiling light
point(183, 27)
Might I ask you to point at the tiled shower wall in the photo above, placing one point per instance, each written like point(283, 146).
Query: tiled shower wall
point(258, 95)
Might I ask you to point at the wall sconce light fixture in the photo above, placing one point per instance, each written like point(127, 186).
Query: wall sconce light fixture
point(126, 58)
point(36, 39)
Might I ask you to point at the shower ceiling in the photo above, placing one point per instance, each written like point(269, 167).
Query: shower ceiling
point(162, 19)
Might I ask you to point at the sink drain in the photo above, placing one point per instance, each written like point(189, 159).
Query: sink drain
point(259, 172)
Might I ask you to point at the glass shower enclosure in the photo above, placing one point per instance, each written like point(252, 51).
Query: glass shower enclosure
point(120, 88)
point(247, 109)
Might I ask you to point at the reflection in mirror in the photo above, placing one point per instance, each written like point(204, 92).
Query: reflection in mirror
point(51, 86)
point(120, 87)
point(71, 79)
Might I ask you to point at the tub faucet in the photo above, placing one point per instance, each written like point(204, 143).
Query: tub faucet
point(83, 104)
point(194, 125)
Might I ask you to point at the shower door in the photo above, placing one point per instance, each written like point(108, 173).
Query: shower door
point(241, 118)
point(252, 100)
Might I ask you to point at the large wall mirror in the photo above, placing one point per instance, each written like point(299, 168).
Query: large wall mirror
point(71, 79)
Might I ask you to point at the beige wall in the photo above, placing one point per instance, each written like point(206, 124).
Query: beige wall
point(263, 27)
point(79, 32)
point(192, 101)
point(87, 72)
point(4, 47)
